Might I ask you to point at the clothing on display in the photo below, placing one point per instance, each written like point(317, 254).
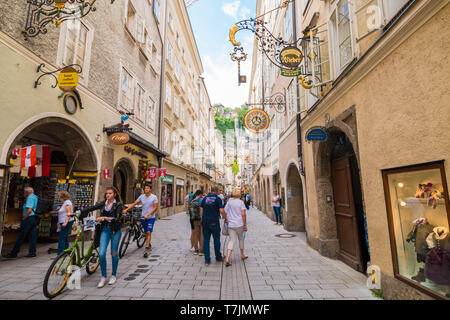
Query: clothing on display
point(437, 262)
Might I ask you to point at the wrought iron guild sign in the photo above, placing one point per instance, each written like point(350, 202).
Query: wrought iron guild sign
point(42, 12)
point(277, 101)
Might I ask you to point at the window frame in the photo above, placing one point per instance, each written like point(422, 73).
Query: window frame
point(390, 217)
point(132, 88)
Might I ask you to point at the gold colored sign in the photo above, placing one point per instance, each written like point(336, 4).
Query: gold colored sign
point(119, 138)
point(68, 79)
point(84, 174)
point(291, 57)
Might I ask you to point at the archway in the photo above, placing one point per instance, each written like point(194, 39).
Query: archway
point(124, 180)
point(340, 204)
point(64, 151)
point(295, 212)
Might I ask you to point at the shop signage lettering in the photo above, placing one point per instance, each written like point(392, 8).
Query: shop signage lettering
point(291, 57)
point(119, 138)
point(167, 180)
point(291, 73)
point(68, 79)
point(180, 182)
point(133, 151)
point(316, 134)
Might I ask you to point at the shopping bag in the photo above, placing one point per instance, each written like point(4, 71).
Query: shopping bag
point(89, 223)
point(225, 229)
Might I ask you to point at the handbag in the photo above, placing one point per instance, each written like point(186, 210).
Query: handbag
point(97, 235)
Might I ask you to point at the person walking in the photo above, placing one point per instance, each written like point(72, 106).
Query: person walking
point(149, 203)
point(111, 230)
point(210, 210)
point(276, 203)
point(65, 220)
point(27, 225)
point(194, 212)
point(237, 224)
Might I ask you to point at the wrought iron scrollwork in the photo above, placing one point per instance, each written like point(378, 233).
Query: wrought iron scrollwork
point(77, 67)
point(42, 12)
point(277, 101)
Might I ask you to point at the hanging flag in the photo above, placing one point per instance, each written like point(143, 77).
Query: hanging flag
point(28, 157)
point(106, 174)
point(42, 167)
point(152, 173)
point(162, 173)
point(16, 152)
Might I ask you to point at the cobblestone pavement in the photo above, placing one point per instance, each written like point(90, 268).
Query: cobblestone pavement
point(277, 268)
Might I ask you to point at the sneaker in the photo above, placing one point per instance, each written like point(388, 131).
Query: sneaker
point(101, 284)
point(220, 259)
point(147, 251)
point(10, 256)
point(207, 263)
point(112, 280)
point(201, 254)
point(30, 256)
point(192, 249)
point(196, 253)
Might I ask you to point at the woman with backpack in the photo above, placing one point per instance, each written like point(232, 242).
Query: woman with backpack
point(111, 230)
point(196, 222)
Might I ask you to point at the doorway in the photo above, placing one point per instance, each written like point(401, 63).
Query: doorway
point(124, 180)
point(348, 204)
point(295, 213)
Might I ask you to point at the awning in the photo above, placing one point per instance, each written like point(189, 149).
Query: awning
point(146, 145)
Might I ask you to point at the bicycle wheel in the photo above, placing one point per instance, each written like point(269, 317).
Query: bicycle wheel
point(57, 275)
point(141, 240)
point(93, 263)
point(125, 242)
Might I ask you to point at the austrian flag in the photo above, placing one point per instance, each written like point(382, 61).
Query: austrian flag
point(37, 159)
point(106, 174)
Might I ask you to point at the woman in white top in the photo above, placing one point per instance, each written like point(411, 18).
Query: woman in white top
point(65, 213)
point(237, 224)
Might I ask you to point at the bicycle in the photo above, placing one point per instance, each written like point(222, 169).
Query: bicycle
point(134, 232)
point(62, 267)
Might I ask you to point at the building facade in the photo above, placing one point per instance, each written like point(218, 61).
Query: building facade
point(369, 187)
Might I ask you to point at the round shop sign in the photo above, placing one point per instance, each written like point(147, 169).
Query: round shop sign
point(119, 138)
point(291, 57)
point(256, 120)
point(68, 79)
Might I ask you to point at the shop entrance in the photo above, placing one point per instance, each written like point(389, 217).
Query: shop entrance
point(123, 180)
point(347, 195)
point(64, 152)
point(295, 216)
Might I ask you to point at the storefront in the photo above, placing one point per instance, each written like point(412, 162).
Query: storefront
point(180, 194)
point(50, 155)
point(167, 194)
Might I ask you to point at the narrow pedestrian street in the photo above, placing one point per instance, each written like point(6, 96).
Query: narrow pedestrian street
point(277, 268)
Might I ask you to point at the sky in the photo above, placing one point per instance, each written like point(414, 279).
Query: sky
point(211, 21)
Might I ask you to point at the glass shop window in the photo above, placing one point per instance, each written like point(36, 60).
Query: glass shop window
point(167, 196)
point(418, 210)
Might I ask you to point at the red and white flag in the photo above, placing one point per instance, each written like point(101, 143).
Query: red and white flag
point(106, 174)
point(16, 152)
point(28, 157)
point(42, 167)
point(152, 173)
point(162, 173)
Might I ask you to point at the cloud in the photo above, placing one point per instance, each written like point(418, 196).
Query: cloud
point(231, 8)
point(221, 79)
point(245, 13)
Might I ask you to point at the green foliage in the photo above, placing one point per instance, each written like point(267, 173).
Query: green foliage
point(377, 294)
point(223, 124)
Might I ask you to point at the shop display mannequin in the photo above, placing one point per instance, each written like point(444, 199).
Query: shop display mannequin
point(437, 262)
point(418, 236)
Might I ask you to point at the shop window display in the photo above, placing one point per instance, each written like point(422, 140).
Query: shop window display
point(167, 196)
point(418, 209)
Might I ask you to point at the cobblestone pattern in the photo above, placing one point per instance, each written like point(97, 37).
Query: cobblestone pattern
point(276, 269)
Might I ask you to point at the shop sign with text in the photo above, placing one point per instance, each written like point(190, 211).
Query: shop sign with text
point(291, 57)
point(68, 79)
point(119, 138)
point(291, 73)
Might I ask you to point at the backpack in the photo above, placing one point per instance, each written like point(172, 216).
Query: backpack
point(194, 210)
point(41, 207)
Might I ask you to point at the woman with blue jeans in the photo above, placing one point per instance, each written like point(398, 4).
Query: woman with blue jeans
point(65, 212)
point(111, 231)
point(276, 207)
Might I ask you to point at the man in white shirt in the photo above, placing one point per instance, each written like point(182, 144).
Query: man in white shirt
point(149, 203)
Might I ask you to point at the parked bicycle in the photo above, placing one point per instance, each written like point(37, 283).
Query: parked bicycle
point(61, 268)
point(134, 231)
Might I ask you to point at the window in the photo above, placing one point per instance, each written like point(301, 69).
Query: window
point(151, 114)
point(156, 9)
point(170, 21)
point(131, 21)
point(167, 135)
point(169, 53)
point(178, 39)
point(182, 80)
point(168, 94)
point(126, 90)
point(75, 46)
point(148, 45)
point(175, 106)
point(182, 113)
point(342, 35)
point(139, 104)
point(180, 192)
point(288, 23)
point(177, 68)
point(391, 8)
point(291, 101)
point(418, 225)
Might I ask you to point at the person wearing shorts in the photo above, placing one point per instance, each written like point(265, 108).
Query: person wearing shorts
point(149, 203)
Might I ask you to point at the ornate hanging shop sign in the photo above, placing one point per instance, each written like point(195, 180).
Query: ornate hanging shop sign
point(291, 73)
point(42, 12)
point(256, 120)
point(118, 134)
point(316, 134)
point(291, 57)
point(68, 79)
point(119, 138)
